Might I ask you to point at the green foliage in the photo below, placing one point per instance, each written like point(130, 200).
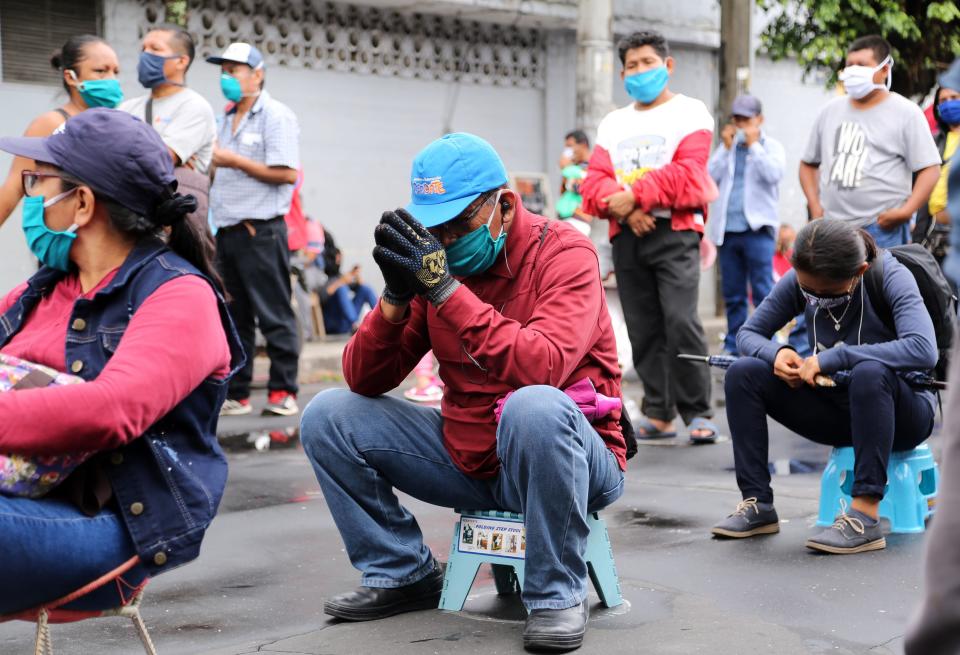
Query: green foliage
point(177, 12)
point(925, 35)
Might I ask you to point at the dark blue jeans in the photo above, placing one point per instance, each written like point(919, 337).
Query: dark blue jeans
point(49, 548)
point(745, 258)
point(342, 310)
point(876, 414)
point(555, 469)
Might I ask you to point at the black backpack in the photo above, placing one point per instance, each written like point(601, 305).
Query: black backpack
point(937, 296)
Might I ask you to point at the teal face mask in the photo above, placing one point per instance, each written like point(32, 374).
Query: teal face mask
point(475, 252)
point(52, 248)
point(647, 86)
point(230, 86)
point(100, 93)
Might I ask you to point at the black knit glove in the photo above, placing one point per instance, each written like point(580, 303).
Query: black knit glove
point(404, 244)
point(397, 290)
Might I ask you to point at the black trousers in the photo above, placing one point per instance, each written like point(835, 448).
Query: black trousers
point(658, 278)
point(876, 414)
point(256, 274)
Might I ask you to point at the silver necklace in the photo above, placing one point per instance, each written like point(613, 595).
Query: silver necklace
point(837, 321)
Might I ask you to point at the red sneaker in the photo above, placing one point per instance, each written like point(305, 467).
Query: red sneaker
point(281, 403)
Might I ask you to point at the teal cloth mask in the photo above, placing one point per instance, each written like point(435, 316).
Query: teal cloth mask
point(230, 87)
point(647, 86)
point(52, 248)
point(475, 252)
point(100, 93)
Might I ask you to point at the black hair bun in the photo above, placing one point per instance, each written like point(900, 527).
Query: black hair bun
point(173, 208)
point(56, 59)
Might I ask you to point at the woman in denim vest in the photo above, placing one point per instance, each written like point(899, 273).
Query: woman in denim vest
point(127, 299)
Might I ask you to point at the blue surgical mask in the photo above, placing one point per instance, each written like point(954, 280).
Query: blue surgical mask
point(950, 111)
point(100, 93)
point(474, 253)
point(52, 248)
point(230, 86)
point(150, 69)
point(647, 86)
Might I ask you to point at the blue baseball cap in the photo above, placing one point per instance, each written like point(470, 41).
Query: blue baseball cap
point(239, 53)
point(449, 174)
point(111, 151)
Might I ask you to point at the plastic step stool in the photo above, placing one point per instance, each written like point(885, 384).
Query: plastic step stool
point(498, 538)
point(912, 482)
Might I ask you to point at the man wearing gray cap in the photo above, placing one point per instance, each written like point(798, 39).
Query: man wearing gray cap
point(257, 158)
point(747, 167)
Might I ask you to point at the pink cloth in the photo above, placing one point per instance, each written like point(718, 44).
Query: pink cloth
point(174, 341)
point(425, 366)
point(594, 405)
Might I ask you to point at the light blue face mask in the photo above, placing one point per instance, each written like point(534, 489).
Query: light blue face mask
point(52, 248)
point(100, 93)
point(647, 86)
point(476, 252)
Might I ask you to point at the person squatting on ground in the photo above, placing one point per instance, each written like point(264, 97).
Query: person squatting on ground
point(748, 166)
point(648, 177)
point(89, 68)
point(876, 414)
point(512, 306)
point(127, 299)
point(870, 159)
point(256, 162)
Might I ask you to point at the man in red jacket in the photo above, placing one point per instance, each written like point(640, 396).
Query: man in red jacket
point(512, 307)
point(648, 176)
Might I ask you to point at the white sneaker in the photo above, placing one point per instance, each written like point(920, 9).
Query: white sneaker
point(281, 403)
point(236, 407)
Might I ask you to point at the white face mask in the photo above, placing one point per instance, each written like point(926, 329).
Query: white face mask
point(858, 80)
point(568, 153)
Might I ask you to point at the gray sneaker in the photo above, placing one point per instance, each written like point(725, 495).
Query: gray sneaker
point(749, 519)
point(852, 532)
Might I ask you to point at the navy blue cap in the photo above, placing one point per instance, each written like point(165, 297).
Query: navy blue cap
point(111, 151)
point(746, 106)
point(950, 78)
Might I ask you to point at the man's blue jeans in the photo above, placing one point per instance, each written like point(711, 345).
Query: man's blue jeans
point(49, 548)
point(898, 236)
point(342, 310)
point(745, 257)
point(555, 469)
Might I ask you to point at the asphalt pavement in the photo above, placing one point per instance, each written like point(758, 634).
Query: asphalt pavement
point(273, 554)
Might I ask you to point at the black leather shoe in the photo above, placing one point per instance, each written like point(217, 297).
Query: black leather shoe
point(556, 630)
point(371, 603)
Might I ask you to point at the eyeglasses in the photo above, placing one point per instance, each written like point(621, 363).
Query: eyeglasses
point(30, 179)
point(460, 225)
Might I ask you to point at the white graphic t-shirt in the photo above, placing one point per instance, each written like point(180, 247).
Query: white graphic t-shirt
point(640, 141)
point(867, 157)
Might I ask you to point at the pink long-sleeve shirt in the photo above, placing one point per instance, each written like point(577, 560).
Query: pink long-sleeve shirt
point(174, 341)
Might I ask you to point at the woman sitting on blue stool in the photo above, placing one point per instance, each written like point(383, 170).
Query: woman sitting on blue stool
point(878, 412)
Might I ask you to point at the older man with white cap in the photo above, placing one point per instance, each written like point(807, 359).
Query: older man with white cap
point(257, 158)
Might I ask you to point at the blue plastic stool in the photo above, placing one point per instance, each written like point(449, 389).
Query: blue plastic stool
point(498, 538)
point(912, 482)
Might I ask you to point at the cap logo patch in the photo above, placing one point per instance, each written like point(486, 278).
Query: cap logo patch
point(428, 186)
